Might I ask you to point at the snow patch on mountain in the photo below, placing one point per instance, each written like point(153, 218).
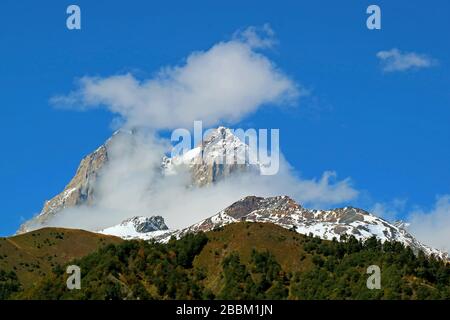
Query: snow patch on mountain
point(144, 228)
point(325, 224)
point(219, 155)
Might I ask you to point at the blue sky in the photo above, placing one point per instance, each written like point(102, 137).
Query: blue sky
point(388, 131)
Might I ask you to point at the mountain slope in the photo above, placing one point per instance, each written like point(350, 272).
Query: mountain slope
point(80, 189)
point(325, 224)
point(250, 261)
point(32, 255)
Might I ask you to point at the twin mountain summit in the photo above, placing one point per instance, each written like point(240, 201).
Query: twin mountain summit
point(279, 210)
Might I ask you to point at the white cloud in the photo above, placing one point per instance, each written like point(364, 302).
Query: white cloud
point(389, 210)
point(225, 83)
point(320, 193)
point(395, 60)
point(257, 37)
point(433, 227)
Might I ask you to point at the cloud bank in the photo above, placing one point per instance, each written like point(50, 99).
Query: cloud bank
point(131, 184)
point(395, 60)
point(433, 226)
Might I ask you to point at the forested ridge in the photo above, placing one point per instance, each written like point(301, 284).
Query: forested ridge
point(244, 261)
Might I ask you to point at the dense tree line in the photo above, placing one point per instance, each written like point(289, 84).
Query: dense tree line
point(9, 284)
point(262, 279)
point(339, 271)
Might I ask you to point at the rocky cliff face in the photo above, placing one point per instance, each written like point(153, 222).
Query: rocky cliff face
point(80, 189)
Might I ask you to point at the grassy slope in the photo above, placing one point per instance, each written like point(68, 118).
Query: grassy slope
point(241, 238)
point(138, 262)
point(32, 255)
point(284, 244)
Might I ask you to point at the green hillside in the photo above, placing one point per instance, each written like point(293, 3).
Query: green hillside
point(248, 261)
point(31, 256)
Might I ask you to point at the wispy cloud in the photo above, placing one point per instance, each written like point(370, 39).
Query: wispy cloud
point(257, 37)
point(222, 84)
point(430, 226)
point(389, 210)
point(433, 226)
point(395, 60)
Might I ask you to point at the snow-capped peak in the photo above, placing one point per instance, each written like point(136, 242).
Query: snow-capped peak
point(220, 154)
point(325, 224)
point(138, 228)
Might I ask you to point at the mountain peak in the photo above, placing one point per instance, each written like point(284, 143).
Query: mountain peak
point(281, 204)
point(80, 190)
point(138, 227)
point(146, 224)
point(325, 224)
point(220, 154)
point(221, 135)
